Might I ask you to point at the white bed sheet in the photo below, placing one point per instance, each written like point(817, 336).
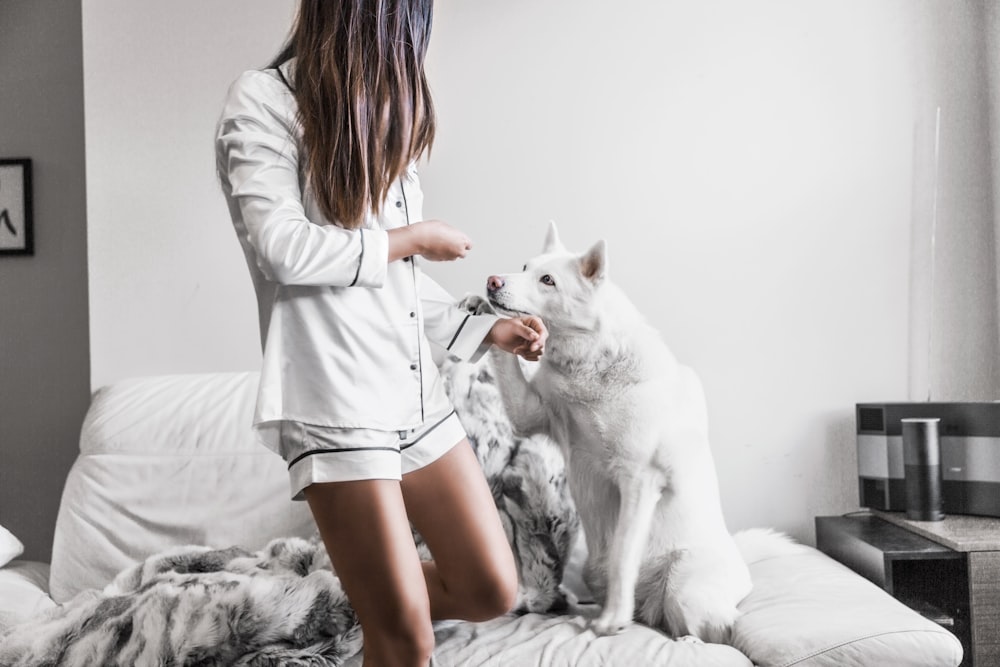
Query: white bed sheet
point(544, 640)
point(539, 640)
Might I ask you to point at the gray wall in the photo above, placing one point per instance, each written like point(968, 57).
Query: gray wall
point(992, 23)
point(44, 345)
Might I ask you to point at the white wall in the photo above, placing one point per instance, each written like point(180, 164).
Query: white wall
point(44, 353)
point(171, 292)
point(752, 166)
point(953, 339)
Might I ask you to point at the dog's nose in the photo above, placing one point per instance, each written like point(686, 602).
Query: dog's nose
point(493, 283)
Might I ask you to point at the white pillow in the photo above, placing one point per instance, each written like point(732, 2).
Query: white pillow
point(10, 546)
point(152, 450)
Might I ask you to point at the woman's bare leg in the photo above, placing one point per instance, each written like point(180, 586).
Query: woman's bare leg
point(365, 530)
point(473, 576)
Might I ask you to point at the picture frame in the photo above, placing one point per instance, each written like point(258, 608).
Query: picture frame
point(16, 224)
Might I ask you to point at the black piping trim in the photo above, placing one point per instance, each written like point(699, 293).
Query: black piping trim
point(371, 449)
point(413, 272)
point(336, 451)
point(360, 259)
point(427, 432)
point(460, 326)
point(283, 79)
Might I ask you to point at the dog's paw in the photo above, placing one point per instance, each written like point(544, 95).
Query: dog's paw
point(609, 624)
point(542, 602)
point(475, 304)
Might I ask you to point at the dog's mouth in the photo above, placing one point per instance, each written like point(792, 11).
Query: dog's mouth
point(503, 308)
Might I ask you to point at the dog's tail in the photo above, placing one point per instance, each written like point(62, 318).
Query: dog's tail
point(756, 544)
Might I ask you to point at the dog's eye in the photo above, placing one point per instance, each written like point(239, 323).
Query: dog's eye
point(547, 280)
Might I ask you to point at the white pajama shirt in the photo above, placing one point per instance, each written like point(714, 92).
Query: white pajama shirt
point(344, 331)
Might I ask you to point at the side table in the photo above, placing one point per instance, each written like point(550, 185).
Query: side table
point(948, 570)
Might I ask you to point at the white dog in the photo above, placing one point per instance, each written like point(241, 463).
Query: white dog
point(632, 424)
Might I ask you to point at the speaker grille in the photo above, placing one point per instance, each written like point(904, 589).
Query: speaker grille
point(871, 419)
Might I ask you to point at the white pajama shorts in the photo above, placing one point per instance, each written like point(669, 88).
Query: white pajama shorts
point(317, 454)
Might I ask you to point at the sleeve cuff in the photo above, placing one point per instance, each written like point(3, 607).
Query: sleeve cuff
point(469, 342)
point(374, 258)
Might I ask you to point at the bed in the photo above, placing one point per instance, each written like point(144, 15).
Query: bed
point(162, 468)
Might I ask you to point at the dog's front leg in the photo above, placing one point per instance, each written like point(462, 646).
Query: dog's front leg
point(520, 400)
point(639, 496)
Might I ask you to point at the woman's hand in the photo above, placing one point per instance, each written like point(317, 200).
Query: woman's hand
point(434, 240)
point(524, 336)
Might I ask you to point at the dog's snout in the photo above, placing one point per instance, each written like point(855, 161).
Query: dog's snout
point(493, 283)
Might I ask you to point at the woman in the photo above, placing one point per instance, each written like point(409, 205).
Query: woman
point(315, 155)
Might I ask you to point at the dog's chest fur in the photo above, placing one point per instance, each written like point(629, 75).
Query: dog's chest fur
point(620, 408)
point(597, 395)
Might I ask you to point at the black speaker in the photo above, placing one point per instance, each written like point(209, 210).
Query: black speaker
point(922, 469)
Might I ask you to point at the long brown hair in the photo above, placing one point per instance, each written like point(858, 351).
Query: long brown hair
point(364, 104)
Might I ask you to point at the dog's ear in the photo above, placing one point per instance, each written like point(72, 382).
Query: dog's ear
point(594, 262)
point(552, 242)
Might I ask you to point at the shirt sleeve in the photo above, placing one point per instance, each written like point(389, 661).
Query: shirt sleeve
point(458, 331)
point(258, 163)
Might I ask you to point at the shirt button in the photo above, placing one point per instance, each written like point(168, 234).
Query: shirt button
point(413, 314)
point(413, 367)
point(406, 259)
point(399, 204)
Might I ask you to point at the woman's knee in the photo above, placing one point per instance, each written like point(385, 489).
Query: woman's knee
point(494, 594)
point(402, 639)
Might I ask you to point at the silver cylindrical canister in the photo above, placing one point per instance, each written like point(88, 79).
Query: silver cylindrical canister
point(922, 469)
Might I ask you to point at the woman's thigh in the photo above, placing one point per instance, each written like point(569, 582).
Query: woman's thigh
point(450, 504)
point(367, 534)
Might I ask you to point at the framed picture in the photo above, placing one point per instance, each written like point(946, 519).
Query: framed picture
point(16, 233)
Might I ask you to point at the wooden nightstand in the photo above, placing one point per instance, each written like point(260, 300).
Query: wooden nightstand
point(948, 570)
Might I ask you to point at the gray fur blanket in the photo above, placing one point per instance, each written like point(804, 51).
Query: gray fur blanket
point(283, 605)
point(197, 606)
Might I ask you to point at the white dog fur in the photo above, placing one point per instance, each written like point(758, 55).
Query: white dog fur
point(632, 424)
